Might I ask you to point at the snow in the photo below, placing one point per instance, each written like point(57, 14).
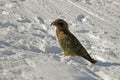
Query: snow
point(29, 48)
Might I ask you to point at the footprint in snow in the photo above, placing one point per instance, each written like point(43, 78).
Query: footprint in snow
point(81, 18)
point(41, 21)
point(24, 20)
point(4, 44)
point(7, 24)
point(53, 49)
point(8, 52)
point(83, 31)
point(30, 63)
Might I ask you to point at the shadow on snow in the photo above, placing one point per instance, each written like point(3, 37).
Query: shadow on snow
point(107, 64)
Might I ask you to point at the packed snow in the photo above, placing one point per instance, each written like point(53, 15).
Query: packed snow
point(29, 48)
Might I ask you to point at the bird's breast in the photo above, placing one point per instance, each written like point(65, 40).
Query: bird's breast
point(58, 33)
point(60, 37)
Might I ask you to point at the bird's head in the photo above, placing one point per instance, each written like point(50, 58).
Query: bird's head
point(60, 24)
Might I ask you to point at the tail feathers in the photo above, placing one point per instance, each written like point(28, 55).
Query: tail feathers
point(90, 59)
point(93, 61)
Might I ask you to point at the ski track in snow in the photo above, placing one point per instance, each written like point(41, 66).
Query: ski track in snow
point(29, 48)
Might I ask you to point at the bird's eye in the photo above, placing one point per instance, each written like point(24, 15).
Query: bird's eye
point(61, 24)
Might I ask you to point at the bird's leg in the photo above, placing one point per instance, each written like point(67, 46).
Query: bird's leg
point(66, 53)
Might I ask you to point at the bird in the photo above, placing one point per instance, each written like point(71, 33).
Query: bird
point(70, 45)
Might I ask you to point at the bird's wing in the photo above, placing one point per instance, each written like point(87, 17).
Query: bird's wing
point(69, 42)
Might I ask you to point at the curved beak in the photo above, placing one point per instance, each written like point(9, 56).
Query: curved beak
point(53, 23)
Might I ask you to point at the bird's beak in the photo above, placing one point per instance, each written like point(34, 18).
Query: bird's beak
point(53, 23)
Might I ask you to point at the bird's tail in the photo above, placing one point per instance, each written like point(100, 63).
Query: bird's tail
point(90, 59)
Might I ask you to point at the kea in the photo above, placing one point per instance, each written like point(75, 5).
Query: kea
point(68, 42)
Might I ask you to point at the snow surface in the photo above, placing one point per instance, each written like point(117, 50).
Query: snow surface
point(29, 48)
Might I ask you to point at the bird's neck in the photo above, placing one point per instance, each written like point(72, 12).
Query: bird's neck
point(58, 31)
